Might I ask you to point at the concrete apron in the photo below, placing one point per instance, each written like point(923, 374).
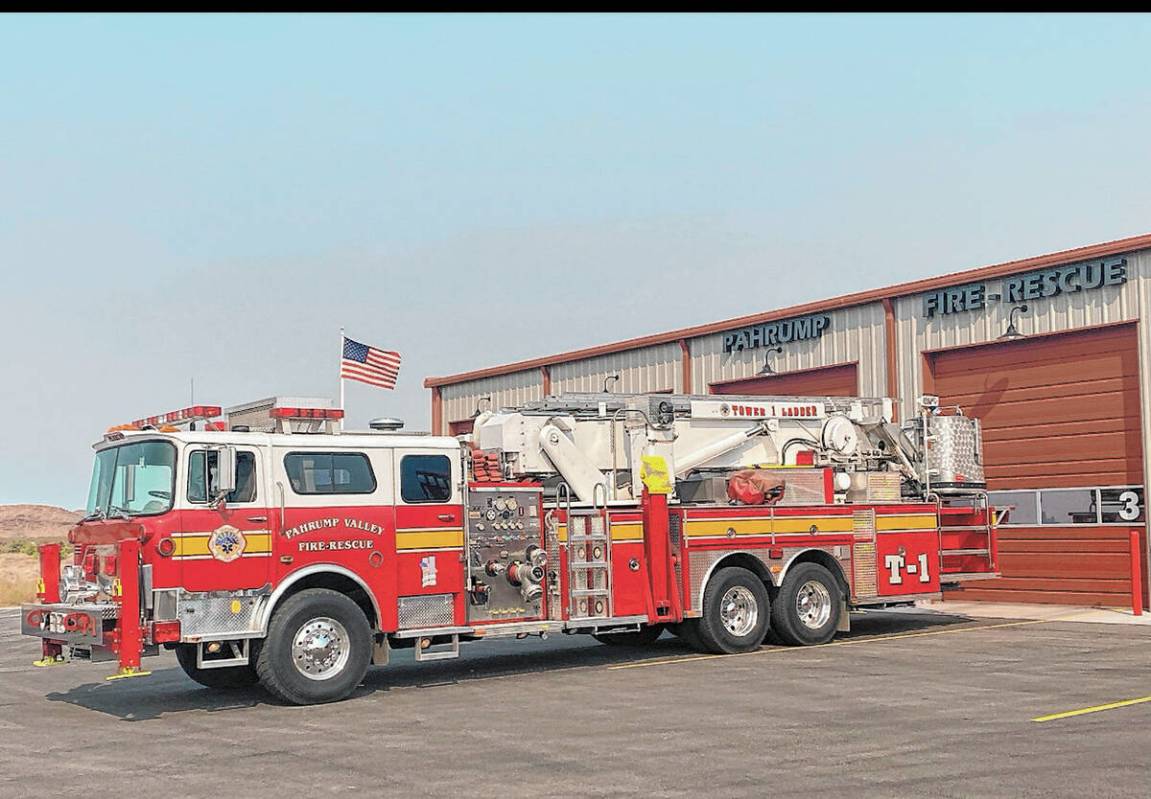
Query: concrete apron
point(1011, 610)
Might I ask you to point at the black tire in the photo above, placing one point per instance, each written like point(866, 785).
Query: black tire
point(276, 664)
point(788, 619)
point(226, 677)
point(688, 632)
point(642, 637)
point(741, 586)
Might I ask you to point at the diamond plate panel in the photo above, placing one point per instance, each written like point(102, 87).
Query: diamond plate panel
point(217, 615)
point(802, 486)
point(953, 451)
point(429, 610)
point(165, 604)
point(884, 486)
point(552, 547)
point(863, 570)
point(675, 532)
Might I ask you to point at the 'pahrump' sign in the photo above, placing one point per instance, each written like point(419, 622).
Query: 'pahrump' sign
point(770, 334)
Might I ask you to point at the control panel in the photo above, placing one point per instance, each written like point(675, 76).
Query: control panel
point(507, 562)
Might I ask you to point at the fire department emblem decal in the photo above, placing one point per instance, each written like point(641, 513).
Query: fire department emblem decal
point(226, 543)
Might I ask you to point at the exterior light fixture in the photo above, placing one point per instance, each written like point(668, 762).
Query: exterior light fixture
point(481, 401)
point(1012, 332)
point(768, 369)
point(609, 379)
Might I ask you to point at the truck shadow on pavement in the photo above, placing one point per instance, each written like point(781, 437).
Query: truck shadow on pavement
point(168, 691)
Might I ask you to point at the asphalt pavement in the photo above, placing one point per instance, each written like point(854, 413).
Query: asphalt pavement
point(909, 704)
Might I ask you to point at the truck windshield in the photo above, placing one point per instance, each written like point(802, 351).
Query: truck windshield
point(133, 479)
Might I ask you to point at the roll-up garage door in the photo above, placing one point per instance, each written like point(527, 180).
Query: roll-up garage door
point(830, 381)
point(461, 427)
point(1063, 447)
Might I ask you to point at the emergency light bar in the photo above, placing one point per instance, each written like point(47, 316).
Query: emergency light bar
point(307, 413)
point(182, 416)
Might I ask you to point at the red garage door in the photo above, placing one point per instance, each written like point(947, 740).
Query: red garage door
point(1063, 445)
point(461, 427)
point(830, 381)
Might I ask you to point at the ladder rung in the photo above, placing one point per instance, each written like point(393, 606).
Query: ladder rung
point(589, 565)
point(591, 592)
point(946, 552)
point(593, 537)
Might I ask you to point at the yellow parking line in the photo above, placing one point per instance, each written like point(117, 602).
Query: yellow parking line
point(1083, 711)
point(850, 642)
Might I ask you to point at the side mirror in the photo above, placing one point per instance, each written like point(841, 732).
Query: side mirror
point(129, 483)
point(225, 482)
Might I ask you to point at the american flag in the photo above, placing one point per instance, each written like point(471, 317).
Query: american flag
point(369, 365)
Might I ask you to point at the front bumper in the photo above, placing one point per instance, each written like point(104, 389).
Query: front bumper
point(83, 624)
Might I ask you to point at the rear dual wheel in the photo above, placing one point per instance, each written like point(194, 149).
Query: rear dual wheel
point(735, 617)
point(808, 606)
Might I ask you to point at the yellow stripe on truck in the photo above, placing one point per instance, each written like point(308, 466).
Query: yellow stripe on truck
point(192, 545)
point(779, 526)
point(429, 539)
point(620, 531)
point(907, 521)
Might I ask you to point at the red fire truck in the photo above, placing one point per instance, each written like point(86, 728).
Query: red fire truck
point(271, 546)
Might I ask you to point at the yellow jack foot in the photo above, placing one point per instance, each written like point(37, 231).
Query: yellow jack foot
point(127, 672)
point(49, 661)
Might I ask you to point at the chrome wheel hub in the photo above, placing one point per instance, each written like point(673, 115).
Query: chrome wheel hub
point(813, 604)
point(738, 611)
point(320, 648)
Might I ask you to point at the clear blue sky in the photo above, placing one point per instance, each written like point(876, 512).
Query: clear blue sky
point(214, 196)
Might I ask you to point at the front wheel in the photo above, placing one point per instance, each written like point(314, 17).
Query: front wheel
point(317, 649)
point(226, 677)
point(735, 612)
point(808, 606)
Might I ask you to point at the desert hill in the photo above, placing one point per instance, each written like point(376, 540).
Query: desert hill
point(36, 522)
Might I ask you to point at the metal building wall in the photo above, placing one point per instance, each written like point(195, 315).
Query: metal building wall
point(1064, 312)
point(648, 369)
point(855, 334)
point(461, 400)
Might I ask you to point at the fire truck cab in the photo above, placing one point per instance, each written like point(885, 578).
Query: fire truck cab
point(276, 548)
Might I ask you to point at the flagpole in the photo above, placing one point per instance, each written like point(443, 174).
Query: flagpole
point(342, 376)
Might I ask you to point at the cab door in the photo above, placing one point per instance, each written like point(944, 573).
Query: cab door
point(225, 545)
point(429, 537)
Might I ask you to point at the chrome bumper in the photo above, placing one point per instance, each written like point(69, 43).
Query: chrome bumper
point(75, 625)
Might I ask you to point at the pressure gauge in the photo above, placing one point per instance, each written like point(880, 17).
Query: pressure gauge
point(501, 504)
point(490, 515)
point(512, 504)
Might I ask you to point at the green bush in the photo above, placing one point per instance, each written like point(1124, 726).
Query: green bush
point(22, 546)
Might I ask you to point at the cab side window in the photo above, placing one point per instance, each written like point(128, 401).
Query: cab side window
point(425, 478)
point(202, 466)
point(330, 473)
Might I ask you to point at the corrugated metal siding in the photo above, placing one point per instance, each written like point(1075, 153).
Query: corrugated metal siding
point(854, 335)
point(461, 400)
point(647, 369)
point(914, 333)
point(1085, 575)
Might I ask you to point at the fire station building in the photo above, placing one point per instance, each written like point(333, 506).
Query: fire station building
point(1050, 353)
